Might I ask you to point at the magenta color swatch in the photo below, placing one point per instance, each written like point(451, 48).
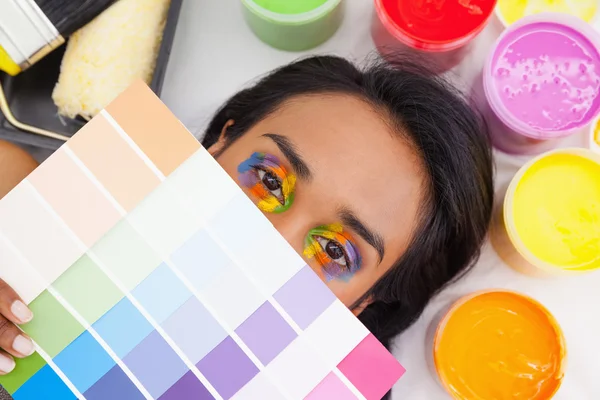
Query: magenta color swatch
point(371, 368)
point(331, 388)
point(304, 297)
point(187, 388)
point(227, 368)
point(266, 333)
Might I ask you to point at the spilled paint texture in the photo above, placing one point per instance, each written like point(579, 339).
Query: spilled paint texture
point(334, 250)
point(268, 182)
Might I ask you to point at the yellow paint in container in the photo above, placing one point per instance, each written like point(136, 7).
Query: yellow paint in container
point(552, 212)
point(595, 136)
point(510, 11)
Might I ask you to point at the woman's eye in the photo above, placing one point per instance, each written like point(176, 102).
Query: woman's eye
point(334, 250)
point(268, 182)
point(272, 183)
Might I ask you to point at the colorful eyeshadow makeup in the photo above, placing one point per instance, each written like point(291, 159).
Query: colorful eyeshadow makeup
point(268, 182)
point(145, 285)
point(334, 250)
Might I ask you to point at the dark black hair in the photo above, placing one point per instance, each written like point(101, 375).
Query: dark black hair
point(452, 141)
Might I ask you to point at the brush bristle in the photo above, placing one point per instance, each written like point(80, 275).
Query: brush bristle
point(69, 15)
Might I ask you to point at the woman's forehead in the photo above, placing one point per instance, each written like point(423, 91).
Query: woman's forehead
point(357, 161)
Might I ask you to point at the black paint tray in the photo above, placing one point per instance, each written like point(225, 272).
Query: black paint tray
point(29, 94)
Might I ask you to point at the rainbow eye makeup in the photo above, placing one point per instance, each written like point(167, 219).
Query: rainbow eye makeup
point(268, 181)
point(334, 250)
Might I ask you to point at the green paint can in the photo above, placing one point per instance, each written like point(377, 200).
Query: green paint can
point(293, 25)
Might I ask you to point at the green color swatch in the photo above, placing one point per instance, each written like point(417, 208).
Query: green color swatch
point(52, 327)
point(88, 290)
point(25, 369)
point(126, 254)
point(290, 6)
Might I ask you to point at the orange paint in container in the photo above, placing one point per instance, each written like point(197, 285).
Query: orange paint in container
point(499, 345)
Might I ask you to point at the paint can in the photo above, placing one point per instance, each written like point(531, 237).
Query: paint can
point(594, 136)
point(549, 221)
point(429, 30)
point(542, 83)
point(488, 333)
point(293, 25)
point(510, 11)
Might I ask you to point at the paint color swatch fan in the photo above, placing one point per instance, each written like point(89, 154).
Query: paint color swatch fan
point(152, 276)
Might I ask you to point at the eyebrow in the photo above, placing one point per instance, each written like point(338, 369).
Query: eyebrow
point(350, 220)
point(347, 216)
point(291, 153)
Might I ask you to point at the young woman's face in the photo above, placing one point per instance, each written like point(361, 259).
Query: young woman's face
point(337, 182)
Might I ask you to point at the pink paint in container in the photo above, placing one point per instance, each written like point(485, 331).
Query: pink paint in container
point(542, 83)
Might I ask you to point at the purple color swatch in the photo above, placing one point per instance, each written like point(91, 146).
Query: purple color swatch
point(227, 368)
point(194, 330)
point(304, 297)
point(187, 388)
point(114, 385)
point(155, 364)
point(266, 333)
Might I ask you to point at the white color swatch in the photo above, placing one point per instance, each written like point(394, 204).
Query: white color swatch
point(164, 220)
point(232, 296)
point(258, 388)
point(43, 239)
point(298, 368)
point(18, 274)
point(256, 244)
point(324, 333)
point(198, 175)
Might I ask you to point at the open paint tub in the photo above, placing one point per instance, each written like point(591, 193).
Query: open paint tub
point(510, 11)
point(550, 221)
point(293, 25)
point(594, 136)
point(499, 344)
point(430, 29)
point(542, 82)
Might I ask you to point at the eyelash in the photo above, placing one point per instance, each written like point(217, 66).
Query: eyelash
point(252, 173)
point(316, 246)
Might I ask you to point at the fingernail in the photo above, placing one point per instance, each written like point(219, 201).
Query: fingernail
point(22, 345)
point(21, 311)
point(7, 364)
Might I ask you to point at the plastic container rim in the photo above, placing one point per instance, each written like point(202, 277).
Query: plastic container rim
point(292, 19)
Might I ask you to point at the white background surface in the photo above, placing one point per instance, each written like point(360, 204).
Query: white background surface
point(215, 54)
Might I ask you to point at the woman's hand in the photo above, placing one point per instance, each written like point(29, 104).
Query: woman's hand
point(13, 342)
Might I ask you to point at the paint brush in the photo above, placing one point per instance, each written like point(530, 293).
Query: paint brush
point(30, 29)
